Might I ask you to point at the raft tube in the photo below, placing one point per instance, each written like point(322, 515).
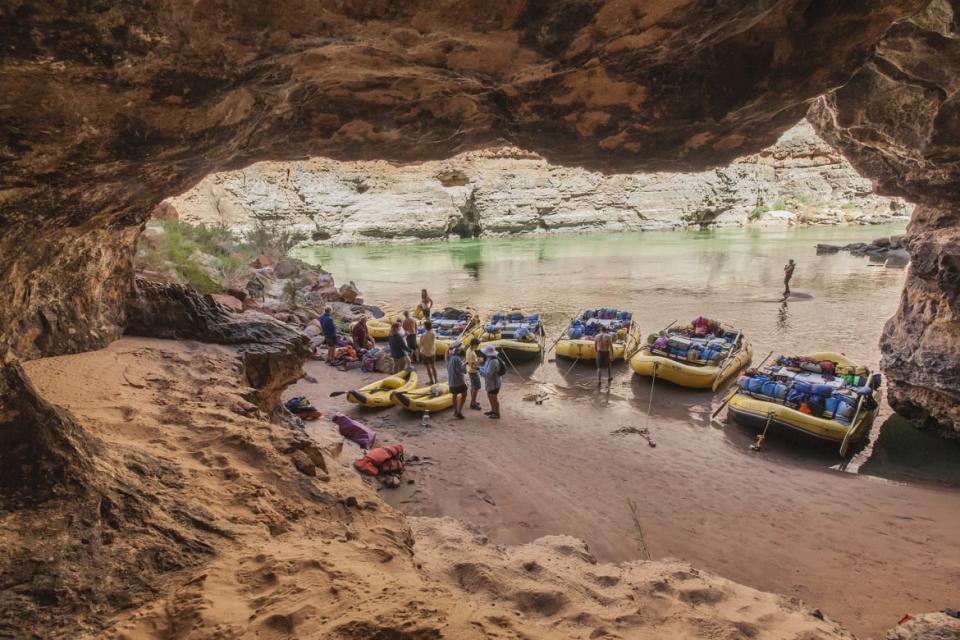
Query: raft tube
point(420, 399)
point(380, 393)
point(689, 374)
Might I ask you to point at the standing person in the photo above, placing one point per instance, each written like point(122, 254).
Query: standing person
point(410, 328)
point(361, 335)
point(473, 371)
point(398, 348)
point(329, 328)
point(426, 303)
point(787, 274)
point(604, 343)
point(490, 370)
point(458, 384)
point(428, 351)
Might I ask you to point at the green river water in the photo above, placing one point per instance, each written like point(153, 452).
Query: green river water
point(840, 302)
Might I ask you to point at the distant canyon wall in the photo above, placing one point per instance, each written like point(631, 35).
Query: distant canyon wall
point(799, 180)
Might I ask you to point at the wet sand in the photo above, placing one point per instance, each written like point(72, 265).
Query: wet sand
point(863, 549)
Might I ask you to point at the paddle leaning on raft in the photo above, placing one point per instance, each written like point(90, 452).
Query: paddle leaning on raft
point(517, 335)
point(700, 355)
point(816, 398)
point(577, 341)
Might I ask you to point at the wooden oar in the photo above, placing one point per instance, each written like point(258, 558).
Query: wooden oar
point(845, 445)
point(560, 337)
point(626, 358)
point(335, 394)
point(723, 365)
point(653, 381)
point(730, 397)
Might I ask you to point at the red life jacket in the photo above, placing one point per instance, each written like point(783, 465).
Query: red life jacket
point(382, 460)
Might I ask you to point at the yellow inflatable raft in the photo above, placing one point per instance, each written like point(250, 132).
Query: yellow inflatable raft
point(433, 398)
point(380, 393)
point(692, 371)
point(626, 337)
point(756, 410)
point(518, 335)
point(450, 330)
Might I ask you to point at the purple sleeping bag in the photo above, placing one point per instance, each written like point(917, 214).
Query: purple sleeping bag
point(353, 430)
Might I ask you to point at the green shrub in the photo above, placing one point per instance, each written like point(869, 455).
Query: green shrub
point(271, 239)
point(757, 212)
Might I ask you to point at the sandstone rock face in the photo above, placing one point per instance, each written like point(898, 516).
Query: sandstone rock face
point(106, 113)
point(271, 352)
point(506, 191)
point(898, 120)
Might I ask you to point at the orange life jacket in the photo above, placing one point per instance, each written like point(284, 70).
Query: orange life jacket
point(382, 460)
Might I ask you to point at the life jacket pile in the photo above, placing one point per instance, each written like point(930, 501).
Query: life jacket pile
point(818, 400)
point(381, 461)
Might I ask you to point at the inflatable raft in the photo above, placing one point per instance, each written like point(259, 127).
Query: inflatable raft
point(817, 398)
point(518, 335)
point(452, 326)
point(692, 358)
point(577, 342)
point(432, 398)
point(379, 328)
point(380, 393)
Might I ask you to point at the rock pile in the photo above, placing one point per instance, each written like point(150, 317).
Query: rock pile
point(892, 250)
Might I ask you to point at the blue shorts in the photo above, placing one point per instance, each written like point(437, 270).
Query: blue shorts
point(475, 380)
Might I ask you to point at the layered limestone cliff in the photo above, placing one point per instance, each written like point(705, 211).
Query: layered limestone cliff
point(507, 191)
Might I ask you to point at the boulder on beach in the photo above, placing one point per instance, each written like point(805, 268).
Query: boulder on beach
point(349, 293)
point(927, 626)
point(286, 269)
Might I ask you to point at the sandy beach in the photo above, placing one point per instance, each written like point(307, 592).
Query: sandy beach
point(265, 549)
point(863, 549)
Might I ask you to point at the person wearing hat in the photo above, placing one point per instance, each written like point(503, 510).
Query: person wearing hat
point(473, 371)
point(490, 370)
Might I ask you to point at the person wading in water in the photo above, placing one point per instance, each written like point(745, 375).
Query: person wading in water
point(604, 343)
point(787, 274)
point(426, 304)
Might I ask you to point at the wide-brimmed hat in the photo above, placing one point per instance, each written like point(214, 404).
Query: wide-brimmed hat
point(489, 350)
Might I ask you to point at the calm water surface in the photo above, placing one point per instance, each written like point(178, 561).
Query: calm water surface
point(841, 301)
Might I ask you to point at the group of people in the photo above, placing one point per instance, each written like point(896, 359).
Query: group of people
point(473, 364)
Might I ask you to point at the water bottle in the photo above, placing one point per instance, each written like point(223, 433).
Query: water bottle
point(425, 419)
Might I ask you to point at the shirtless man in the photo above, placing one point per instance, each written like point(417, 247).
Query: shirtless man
point(604, 343)
point(787, 274)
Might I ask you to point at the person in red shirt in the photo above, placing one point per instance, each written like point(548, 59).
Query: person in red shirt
point(361, 335)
